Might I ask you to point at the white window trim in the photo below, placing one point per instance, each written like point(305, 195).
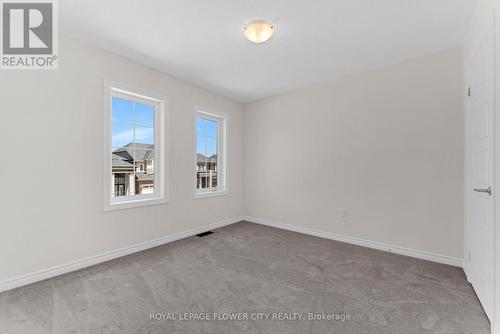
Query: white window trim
point(161, 133)
point(222, 153)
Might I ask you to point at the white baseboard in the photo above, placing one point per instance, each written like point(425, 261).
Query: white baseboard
point(453, 261)
point(465, 267)
point(93, 260)
point(90, 261)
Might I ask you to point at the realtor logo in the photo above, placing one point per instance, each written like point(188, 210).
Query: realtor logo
point(29, 34)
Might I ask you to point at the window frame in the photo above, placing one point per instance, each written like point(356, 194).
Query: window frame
point(222, 119)
point(161, 144)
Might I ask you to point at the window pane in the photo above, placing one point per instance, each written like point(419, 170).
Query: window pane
point(207, 132)
point(206, 136)
point(119, 184)
point(144, 114)
point(132, 148)
point(122, 111)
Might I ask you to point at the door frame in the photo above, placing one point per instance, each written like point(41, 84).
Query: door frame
point(491, 25)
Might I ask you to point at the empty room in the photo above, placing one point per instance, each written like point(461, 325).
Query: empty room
point(249, 166)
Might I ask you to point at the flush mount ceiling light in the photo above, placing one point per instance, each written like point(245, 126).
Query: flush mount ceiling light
point(259, 31)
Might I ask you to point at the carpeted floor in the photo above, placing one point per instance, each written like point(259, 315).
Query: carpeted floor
point(259, 272)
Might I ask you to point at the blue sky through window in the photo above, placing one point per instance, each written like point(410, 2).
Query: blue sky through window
point(206, 137)
point(123, 111)
point(129, 116)
point(144, 115)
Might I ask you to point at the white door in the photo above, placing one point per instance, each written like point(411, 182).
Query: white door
point(480, 175)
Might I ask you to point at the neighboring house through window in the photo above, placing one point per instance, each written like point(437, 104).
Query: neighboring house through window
point(135, 169)
point(210, 165)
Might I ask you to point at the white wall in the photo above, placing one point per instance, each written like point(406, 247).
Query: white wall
point(387, 144)
point(51, 131)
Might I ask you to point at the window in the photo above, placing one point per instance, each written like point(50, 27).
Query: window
point(135, 148)
point(210, 158)
point(119, 184)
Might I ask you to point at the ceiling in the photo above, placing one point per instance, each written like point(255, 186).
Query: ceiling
point(202, 42)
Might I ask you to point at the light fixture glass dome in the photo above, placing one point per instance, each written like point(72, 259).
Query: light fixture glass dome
point(259, 31)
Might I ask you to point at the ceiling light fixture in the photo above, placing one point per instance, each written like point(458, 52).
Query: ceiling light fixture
point(259, 31)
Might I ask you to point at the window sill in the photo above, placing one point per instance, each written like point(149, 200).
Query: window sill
point(134, 204)
point(200, 195)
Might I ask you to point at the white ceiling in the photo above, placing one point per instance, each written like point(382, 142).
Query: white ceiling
point(201, 41)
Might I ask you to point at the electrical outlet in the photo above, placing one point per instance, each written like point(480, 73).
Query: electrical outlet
point(344, 212)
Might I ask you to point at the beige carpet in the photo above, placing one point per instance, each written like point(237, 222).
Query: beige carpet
point(273, 280)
